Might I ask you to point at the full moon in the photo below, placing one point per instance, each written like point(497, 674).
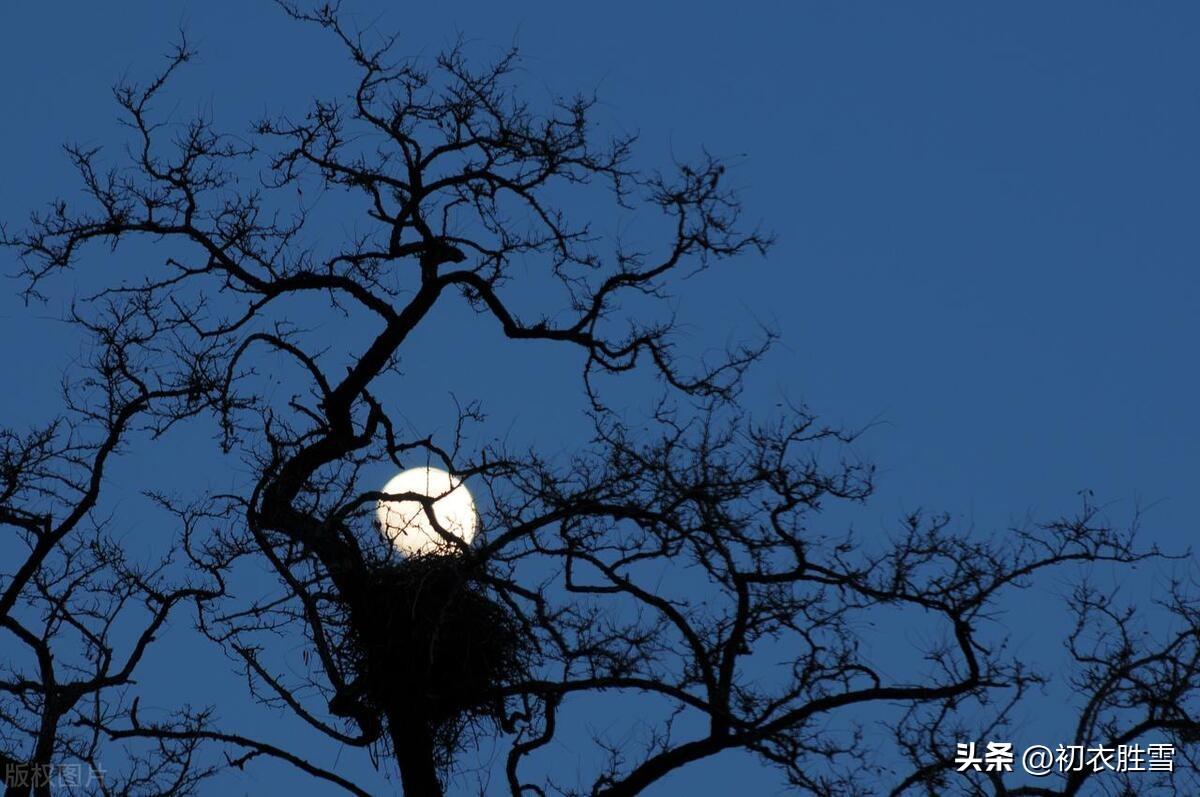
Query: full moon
point(406, 524)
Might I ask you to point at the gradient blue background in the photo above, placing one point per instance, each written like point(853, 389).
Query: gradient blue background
point(986, 217)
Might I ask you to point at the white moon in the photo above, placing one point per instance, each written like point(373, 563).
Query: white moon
point(406, 524)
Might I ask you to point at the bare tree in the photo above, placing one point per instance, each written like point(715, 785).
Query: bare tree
point(677, 557)
point(77, 612)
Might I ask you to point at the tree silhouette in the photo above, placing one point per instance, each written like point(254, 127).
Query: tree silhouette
point(675, 556)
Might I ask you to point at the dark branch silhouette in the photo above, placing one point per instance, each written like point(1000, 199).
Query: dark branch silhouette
point(678, 557)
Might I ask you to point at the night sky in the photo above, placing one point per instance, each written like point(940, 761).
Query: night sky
point(987, 249)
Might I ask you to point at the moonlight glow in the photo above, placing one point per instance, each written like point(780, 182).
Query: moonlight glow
point(406, 523)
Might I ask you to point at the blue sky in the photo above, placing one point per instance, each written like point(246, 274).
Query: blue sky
point(985, 214)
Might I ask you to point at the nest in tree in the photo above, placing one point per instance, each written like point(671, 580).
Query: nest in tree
point(429, 646)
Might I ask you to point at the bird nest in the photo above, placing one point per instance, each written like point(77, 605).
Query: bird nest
point(429, 645)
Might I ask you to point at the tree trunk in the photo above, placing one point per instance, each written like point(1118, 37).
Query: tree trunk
point(414, 755)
